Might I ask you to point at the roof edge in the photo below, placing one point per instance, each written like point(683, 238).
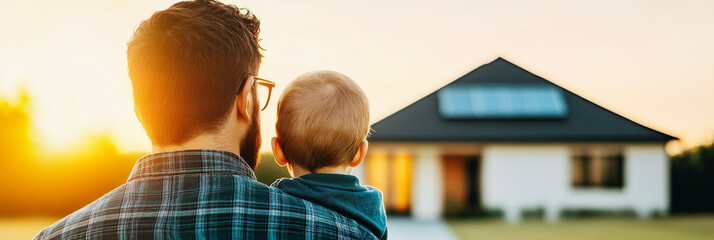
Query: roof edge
point(664, 135)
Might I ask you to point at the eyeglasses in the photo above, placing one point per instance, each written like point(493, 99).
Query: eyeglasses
point(265, 88)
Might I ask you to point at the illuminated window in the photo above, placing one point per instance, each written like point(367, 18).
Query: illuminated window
point(401, 182)
point(377, 174)
point(392, 176)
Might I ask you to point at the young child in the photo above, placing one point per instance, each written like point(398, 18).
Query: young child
point(322, 127)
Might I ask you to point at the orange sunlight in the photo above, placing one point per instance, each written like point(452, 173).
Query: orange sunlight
point(48, 176)
point(70, 56)
point(66, 105)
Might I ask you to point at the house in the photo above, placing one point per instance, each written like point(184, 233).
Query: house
point(505, 139)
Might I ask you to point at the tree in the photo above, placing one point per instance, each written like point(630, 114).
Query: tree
point(693, 181)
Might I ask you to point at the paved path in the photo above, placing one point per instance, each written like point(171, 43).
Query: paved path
point(407, 228)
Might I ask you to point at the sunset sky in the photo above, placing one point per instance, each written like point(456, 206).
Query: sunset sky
point(650, 61)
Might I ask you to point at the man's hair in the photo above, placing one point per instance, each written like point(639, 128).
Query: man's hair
point(187, 63)
point(323, 117)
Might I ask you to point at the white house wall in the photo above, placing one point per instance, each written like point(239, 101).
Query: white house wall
point(517, 177)
point(645, 190)
point(647, 179)
point(427, 184)
point(525, 176)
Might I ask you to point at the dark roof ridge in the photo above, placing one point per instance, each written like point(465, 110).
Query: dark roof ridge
point(418, 131)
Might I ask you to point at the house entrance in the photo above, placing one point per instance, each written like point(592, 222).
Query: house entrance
point(462, 184)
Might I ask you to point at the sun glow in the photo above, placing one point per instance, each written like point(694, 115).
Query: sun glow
point(71, 57)
point(74, 70)
point(70, 90)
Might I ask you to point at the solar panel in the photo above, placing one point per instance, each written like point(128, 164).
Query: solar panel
point(501, 101)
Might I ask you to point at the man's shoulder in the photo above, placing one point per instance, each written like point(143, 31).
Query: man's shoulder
point(76, 224)
point(203, 204)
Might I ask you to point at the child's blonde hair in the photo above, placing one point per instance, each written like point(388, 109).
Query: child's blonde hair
point(323, 117)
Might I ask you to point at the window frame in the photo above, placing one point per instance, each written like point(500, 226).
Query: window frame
point(585, 162)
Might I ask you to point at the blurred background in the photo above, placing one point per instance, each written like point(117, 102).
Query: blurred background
point(68, 133)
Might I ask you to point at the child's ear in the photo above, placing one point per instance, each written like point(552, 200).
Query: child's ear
point(361, 152)
point(278, 152)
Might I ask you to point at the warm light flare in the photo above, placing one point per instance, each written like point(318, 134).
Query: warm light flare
point(391, 174)
point(377, 174)
point(402, 172)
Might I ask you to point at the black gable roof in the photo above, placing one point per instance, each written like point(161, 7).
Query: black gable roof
point(586, 121)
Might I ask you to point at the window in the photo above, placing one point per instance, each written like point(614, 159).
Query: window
point(589, 171)
point(391, 174)
point(487, 101)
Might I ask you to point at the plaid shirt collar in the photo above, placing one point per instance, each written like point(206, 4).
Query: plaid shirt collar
point(200, 161)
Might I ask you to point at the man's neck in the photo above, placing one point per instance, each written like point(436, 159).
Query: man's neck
point(203, 141)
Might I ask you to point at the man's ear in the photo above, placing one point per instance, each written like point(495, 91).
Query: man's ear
point(278, 152)
point(243, 100)
point(361, 152)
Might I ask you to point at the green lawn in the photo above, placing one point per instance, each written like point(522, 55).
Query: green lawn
point(680, 228)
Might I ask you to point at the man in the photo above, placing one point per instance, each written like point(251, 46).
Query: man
point(193, 69)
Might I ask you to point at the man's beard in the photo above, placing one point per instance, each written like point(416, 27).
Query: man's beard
point(250, 144)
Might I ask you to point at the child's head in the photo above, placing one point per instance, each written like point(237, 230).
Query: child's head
point(323, 121)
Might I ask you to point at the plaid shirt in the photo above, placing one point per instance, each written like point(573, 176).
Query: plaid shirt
point(200, 194)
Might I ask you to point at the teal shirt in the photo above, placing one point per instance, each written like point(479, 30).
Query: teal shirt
point(341, 193)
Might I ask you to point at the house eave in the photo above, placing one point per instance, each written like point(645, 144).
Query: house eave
point(523, 139)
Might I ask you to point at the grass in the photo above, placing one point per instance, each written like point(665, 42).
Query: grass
point(23, 228)
point(681, 228)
